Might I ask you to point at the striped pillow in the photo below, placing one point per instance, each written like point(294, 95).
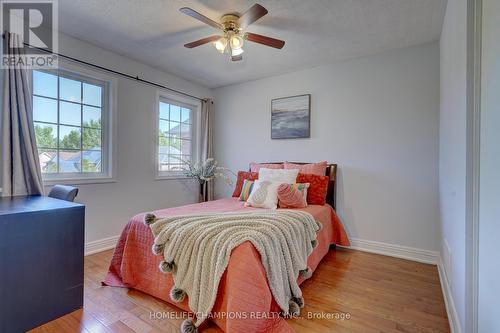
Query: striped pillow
point(246, 189)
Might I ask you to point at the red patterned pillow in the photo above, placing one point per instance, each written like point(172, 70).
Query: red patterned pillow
point(242, 175)
point(316, 195)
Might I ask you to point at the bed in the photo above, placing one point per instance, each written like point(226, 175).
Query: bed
point(244, 302)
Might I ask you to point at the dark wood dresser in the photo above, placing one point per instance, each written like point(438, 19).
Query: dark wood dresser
point(41, 260)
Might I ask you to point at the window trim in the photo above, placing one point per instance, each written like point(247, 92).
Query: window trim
point(185, 102)
point(108, 121)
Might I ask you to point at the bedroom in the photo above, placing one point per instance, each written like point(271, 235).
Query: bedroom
point(392, 105)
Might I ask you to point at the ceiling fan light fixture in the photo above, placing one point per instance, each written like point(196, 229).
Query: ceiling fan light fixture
point(236, 42)
point(236, 52)
point(221, 44)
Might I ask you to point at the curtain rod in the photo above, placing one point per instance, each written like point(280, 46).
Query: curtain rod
point(135, 78)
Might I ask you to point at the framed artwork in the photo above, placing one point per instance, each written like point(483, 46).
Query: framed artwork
point(291, 117)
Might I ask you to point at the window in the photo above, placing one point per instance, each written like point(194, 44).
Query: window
point(70, 115)
point(175, 137)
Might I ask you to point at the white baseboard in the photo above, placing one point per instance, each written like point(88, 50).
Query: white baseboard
point(101, 245)
point(448, 300)
point(393, 250)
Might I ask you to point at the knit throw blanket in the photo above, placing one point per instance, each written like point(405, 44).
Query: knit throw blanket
point(196, 250)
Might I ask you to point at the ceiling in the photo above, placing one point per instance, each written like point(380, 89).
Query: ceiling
point(316, 32)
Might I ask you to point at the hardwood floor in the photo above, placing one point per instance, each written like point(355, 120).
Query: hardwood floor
point(378, 293)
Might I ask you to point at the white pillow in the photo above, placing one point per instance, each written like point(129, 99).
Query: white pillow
point(264, 194)
point(287, 176)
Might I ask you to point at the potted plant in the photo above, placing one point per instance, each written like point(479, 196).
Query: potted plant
point(204, 172)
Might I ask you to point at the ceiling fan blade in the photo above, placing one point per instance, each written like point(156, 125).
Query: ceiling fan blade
point(237, 58)
point(200, 17)
point(264, 40)
point(201, 41)
point(251, 15)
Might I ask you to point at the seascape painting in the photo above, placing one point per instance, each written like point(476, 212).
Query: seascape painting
point(290, 117)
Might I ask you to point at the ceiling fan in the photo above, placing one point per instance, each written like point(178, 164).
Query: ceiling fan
point(233, 37)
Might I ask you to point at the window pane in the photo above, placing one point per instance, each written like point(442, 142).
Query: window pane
point(48, 160)
point(91, 117)
point(70, 113)
point(70, 90)
point(163, 162)
point(69, 137)
point(91, 161)
point(186, 158)
point(185, 131)
point(175, 113)
point(44, 84)
point(91, 138)
point(46, 135)
point(163, 127)
point(92, 94)
point(175, 159)
point(174, 129)
point(175, 167)
point(70, 161)
point(164, 110)
point(185, 147)
point(186, 115)
point(44, 109)
point(175, 145)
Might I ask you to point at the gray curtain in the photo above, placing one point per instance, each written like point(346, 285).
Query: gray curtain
point(207, 147)
point(21, 174)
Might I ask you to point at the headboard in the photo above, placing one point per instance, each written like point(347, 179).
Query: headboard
point(331, 171)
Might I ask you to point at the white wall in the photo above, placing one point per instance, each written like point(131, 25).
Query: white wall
point(376, 116)
point(452, 148)
point(489, 208)
point(109, 206)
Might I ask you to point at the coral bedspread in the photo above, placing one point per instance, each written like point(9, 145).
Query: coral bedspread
point(243, 290)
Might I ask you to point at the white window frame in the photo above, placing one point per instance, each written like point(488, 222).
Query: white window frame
point(108, 121)
point(185, 102)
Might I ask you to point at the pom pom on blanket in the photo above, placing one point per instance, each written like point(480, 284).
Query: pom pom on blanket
point(306, 273)
point(177, 294)
point(293, 309)
point(314, 243)
point(166, 267)
point(188, 326)
point(320, 226)
point(157, 249)
point(299, 301)
point(149, 218)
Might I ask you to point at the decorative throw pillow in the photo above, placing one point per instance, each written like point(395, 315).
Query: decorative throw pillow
point(246, 189)
point(255, 167)
point(264, 194)
point(312, 168)
point(316, 194)
point(242, 175)
point(290, 197)
point(279, 175)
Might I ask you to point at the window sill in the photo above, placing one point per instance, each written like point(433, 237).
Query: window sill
point(172, 177)
point(78, 181)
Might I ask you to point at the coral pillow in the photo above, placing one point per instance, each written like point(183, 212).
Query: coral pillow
point(255, 167)
point(312, 168)
point(242, 175)
point(290, 197)
point(316, 195)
